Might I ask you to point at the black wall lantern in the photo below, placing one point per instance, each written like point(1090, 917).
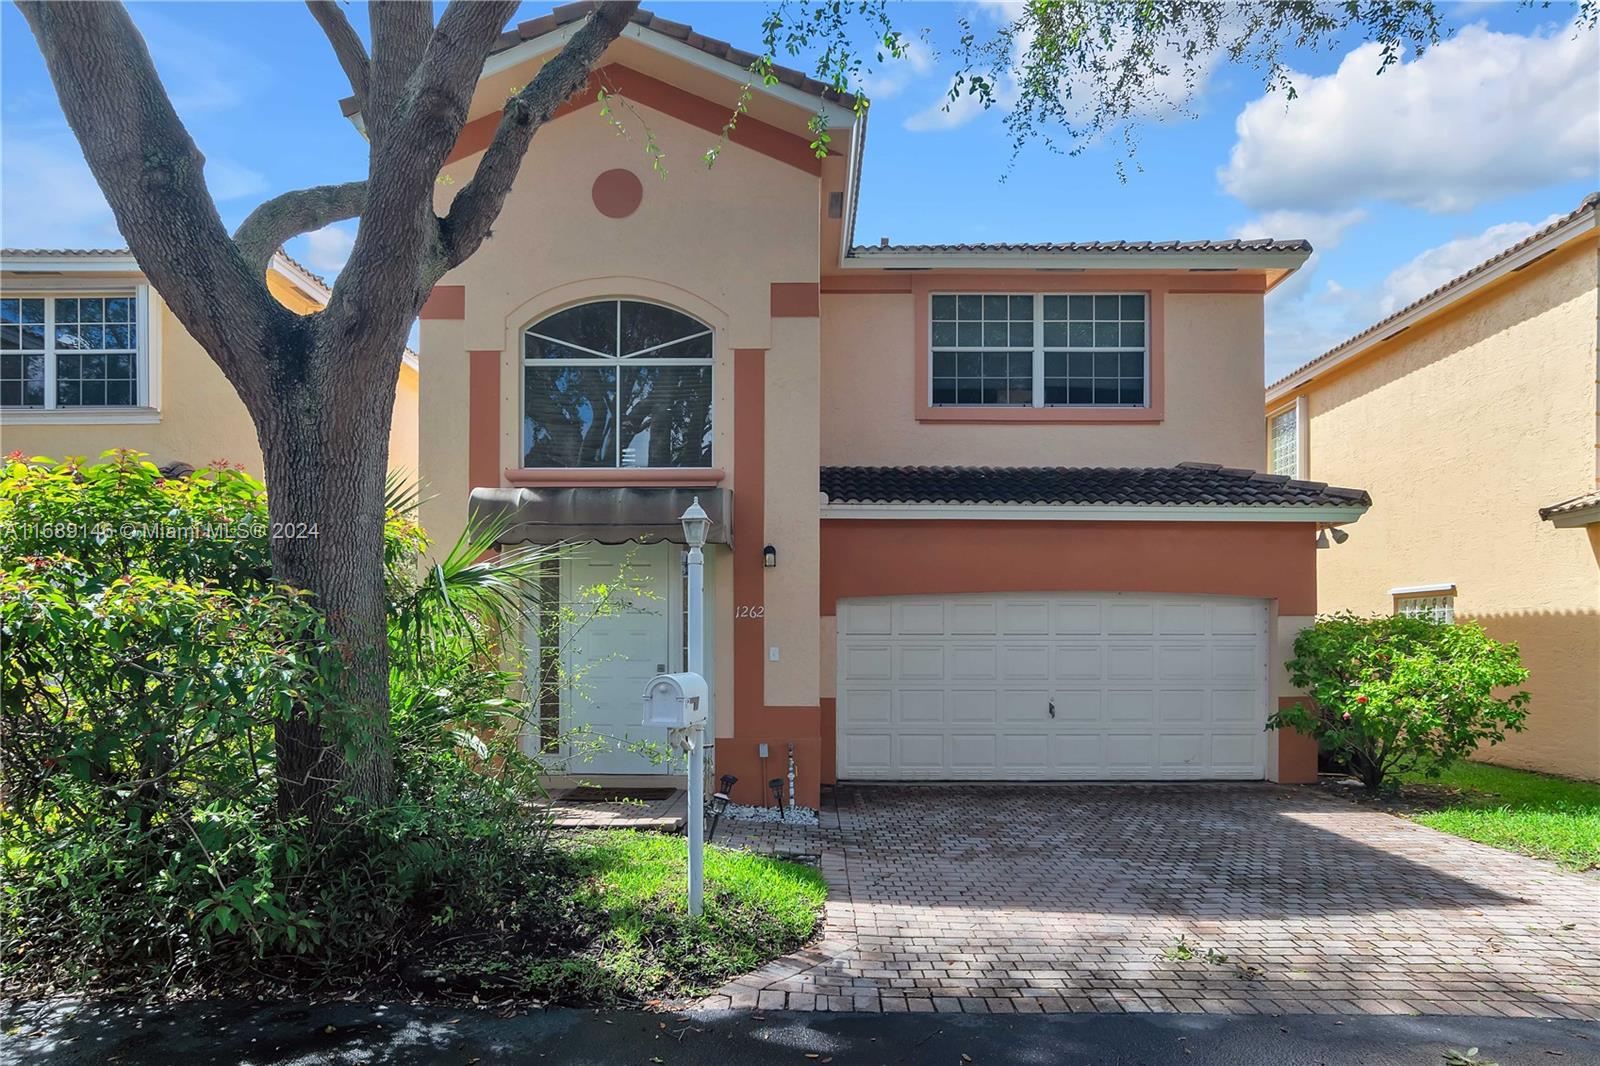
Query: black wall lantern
point(769, 557)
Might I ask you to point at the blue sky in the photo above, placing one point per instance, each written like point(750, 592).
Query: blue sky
point(1401, 180)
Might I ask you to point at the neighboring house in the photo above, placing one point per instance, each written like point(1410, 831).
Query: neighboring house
point(92, 359)
point(1471, 415)
point(957, 536)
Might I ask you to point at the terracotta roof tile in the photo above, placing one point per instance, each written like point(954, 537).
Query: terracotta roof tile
point(1590, 203)
point(1184, 484)
point(1577, 503)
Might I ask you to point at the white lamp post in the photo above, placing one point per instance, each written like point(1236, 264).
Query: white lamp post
point(696, 526)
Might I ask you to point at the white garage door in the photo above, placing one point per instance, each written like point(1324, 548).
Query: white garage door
point(1052, 687)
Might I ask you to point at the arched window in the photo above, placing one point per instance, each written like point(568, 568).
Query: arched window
point(617, 383)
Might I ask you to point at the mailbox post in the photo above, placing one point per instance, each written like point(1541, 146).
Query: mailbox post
point(680, 701)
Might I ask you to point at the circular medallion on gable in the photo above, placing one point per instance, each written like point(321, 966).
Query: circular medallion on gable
point(617, 193)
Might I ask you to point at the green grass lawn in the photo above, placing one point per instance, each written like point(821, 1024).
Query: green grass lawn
point(1535, 814)
point(633, 888)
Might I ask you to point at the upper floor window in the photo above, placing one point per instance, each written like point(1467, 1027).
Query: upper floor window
point(1040, 350)
point(1283, 442)
point(617, 383)
point(71, 351)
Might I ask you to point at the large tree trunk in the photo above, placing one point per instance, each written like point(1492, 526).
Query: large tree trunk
point(325, 443)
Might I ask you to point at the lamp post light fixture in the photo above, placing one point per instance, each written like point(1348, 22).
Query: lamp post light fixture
point(696, 527)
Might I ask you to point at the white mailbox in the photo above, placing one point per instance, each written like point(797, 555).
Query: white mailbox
point(675, 701)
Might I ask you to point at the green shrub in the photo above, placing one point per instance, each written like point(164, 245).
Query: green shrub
point(1395, 694)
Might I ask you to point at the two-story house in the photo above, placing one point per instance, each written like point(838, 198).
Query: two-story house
point(982, 511)
point(1472, 415)
point(92, 359)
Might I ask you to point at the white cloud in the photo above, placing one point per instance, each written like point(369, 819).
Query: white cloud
point(328, 248)
point(202, 73)
point(945, 113)
point(893, 75)
point(48, 197)
point(228, 180)
point(1480, 116)
point(1325, 231)
point(1302, 325)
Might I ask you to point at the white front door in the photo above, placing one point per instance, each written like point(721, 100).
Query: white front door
point(1052, 686)
point(611, 658)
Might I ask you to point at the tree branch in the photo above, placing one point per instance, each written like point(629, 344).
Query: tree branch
point(401, 30)
point(153, 177)
point(347, 46)
point(266, 228)
point(476, 206)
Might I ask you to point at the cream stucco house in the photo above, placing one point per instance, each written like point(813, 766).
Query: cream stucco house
point(1472, 417)
point(983, 511)
point(91, 359)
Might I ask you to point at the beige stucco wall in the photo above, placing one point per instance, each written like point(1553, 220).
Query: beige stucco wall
point(1213, 359)
point(1462, 429)
point(199, 415)
point(710, 242)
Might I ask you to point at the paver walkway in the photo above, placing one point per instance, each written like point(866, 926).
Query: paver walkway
point(1216, 899)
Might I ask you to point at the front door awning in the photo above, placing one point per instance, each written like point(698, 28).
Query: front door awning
point(606, 515)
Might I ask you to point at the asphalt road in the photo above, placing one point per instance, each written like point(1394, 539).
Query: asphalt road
point(297, 1034)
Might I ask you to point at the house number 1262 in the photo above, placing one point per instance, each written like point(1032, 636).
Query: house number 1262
point(748, 611)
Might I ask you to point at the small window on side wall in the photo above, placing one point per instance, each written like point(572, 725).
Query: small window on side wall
point(1430, 604)
point(1283, 442)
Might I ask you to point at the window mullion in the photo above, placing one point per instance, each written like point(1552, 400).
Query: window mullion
point(49, 353)
point(616, 422)
point(1038, 349)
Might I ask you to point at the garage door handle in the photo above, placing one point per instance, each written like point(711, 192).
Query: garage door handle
point(1052, 708)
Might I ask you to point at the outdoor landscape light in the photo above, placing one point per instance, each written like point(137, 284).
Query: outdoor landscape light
point(769, 557)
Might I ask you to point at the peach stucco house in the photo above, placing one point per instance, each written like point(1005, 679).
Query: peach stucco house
point(1472, 416)
point(91, 359)
point(983, 512)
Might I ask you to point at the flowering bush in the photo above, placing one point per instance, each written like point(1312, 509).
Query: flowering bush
point(1396, 694)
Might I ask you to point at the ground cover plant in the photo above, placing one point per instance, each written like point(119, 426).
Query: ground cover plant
point(150, 670)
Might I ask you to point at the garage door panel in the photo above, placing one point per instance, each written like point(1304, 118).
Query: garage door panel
point(1184, 706)
point(868, 662)
point(973, 706)
point(977, 618)
point(920, 751)
point(1123, 706)
point(869, 619)
point(921, 707)
point(1126, 662)
point(1024, 706)
point(961, 688)
point(1030, 619)
point(919, 618)
point(1235, 663)
point(1184, 619)
point(973, 754)
point(920, 663)
point(1184, 662)
point(870, 706)
point(1078, 662)
point(974, 662)
point(1078, 618)
point(1130, 619)
point(1028, 662)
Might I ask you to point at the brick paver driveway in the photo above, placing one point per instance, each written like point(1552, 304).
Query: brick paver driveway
point(1071, 898)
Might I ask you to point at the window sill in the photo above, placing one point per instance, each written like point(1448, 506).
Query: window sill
point(1036, 415)
point(81, 416)
point(583, 477)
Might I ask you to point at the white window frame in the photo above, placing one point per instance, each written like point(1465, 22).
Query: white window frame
point(1038, 353)
point(618, 361)
point(1434, 602)
point(147, 374)
point(1301, 437)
